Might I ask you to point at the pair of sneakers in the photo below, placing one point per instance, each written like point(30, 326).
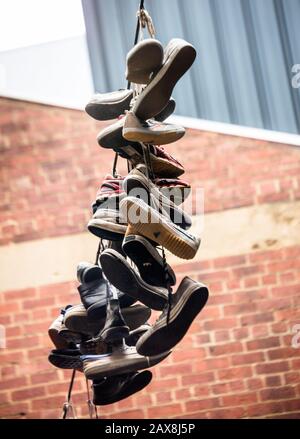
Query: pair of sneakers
point(160, 69)
point(107, 221)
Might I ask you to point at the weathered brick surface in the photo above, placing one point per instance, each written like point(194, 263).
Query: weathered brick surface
point(236, 361)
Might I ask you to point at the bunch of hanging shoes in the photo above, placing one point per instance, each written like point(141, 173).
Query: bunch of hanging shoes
point(137, 218)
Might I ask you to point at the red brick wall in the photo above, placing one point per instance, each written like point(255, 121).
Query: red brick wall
point(237, 360)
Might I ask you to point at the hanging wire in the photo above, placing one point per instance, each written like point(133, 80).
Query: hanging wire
point(168, 284)
point(68, 407)
point(91, 406)
point(114, 169)
point(100, 248)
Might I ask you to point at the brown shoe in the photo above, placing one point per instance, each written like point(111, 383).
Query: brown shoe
point(150, 131)
point(179, 56)
point(143, 59)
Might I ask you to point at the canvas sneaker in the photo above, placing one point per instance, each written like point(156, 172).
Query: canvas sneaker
point(121, 274)
point(150, 131)
point(139, 185)
point(122, 360)
point(146, 221)
point(144, 59)
point(186, 303)
point(76, 319)
point(116, 388)
point(106, 106)
point(179, 55)
point(54, 329)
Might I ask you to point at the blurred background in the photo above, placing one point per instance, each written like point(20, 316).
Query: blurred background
point(241, 104)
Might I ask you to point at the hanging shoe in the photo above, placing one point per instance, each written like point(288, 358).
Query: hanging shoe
point(120, 361)
point(150, 131)
point(144, 59)
point(120, 274)
point(76, 319)
point(144, 220)
point(116, 388)
point(94, 298)
point(115, 328)
point(87, 272)
point(174, 189)
point(112, 137)
point(186, 303)
point(54, 329)
point(106, 106)
point(138, 184)
point(107, 222)
point(148, 261)
point(66, 359)
point(178, 58)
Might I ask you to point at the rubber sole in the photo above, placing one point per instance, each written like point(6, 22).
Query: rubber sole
point(135, 384)
point(158, 92)
point(143, 59)
point(106, 230)
point(157, 229)
point(65, 361)
point(152, 137)
point(119, 365)
point(108, 111)
point(134, 317)
point(122, 276)
point(160, 339)
point(150, 266)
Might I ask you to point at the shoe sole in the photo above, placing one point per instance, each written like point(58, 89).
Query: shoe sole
point(158, 92)
point(111, 335)
point(149, 58)
point(123, 277)
point(65, 362)
point(163, 336)
point(152, 137)
point(138, 383)
point(142, 253)
point(101, 368)
point(134, 317)
point(106, 230)
point(175, 240)
point(108, 111)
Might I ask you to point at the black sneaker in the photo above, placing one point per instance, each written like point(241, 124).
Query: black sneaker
point(66, 359)
point(115, 328)
point(185, 305)
point(77, 321)
point(116, 388)
point(94, 298)
point(148, 261)
point(120, 274)
point(120, 361)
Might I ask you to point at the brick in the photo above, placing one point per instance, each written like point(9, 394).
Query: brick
point(33, 392)
point(252, 358)
point(199, 378)
point(205, 404)
point(263, 343)
point(220, 324)
point(280, 366)
point(240, 399)
point(273, 381)
point(229, 261)
point(277, 393)
point(164, 411)
point(226, 349)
